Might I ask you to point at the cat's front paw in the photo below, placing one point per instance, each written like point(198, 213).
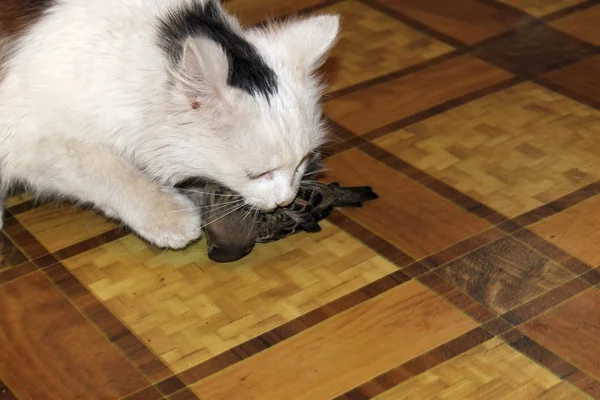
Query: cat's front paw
point(171, 221)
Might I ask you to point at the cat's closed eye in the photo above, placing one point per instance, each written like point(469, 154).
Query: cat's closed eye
point(260, 175)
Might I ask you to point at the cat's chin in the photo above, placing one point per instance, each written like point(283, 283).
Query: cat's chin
point(262, 206)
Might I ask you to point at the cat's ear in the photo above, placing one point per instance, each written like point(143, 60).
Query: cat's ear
point(309, 40)
point(204, 68)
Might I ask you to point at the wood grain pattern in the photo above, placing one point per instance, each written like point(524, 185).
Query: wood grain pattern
point(345, 349)
point(545, 150)
point(533, 50)
point(492, 370)
point(10, 255)
point(572, 330)
point(391, 101)
point(373, 44)
point(581, 78)
point(504, 274)
point(469, 21)
point(57, 226)
point(48, 349)
point(576, 230)
point(189, 309)
point(411, 217)
point(583, 25)
point(541, 8)
point(474, 120)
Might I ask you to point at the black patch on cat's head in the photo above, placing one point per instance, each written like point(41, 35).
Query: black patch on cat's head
point(17, 16)
point(247, 69)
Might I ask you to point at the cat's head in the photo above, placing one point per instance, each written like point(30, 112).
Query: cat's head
point(256, 91)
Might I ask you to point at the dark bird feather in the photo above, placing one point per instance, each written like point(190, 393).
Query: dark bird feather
point(232, 233)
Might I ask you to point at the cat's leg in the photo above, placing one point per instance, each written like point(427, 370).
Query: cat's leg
point(162, 216)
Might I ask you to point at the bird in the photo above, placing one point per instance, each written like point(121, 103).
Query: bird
point(231, 233)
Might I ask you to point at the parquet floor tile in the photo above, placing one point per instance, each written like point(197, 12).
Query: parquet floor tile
point(546, 149)
point(407, 214)
point(346, 349)
point(57, 226)
point(48, 350)
point(17, 199)
point(373, 44)
point(540, 8)
point(403, 97)
point(504, 274)
point(10, 255)
point(188, 309)
point(582, 25)
point(571, 330)
point(581, 78)
point(492, 370)
point(533, 50)
point(469, 21)
point(576, 230)
point(474, 275)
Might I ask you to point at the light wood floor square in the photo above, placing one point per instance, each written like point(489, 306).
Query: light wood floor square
point(188, 308)
point(57, 226)
point(513, 151)
point(372, 44)
point(540, 8)
point(492, 370)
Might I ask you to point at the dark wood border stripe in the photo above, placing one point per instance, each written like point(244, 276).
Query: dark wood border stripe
point(5, 392)
point(148, 393)
point(371, 240)
point(551, 251)
point(115, 331)
point(24, 240)
point(457, 298)
point(184, 394)
point(341, 139)
point(569, 10)
point(592, 277)
point(558, 205)
point(170, 385)
point(441, 188)
point(441, 108)
point(23, 207)
point(123, 338)
point(292, 328)
point(462, 248)
point(91, 243)
point(565, 91)
point(418, 365)
point(13, 273)
point(546, 301)
point(497, 326)
point(393, 75)
point(561, 368)
point(417, 25)
point(507, 9)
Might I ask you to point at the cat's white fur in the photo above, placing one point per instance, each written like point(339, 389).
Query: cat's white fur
point(86, 102)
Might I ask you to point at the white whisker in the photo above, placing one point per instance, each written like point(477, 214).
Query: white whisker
point(215, 206)
point(317, 171)
point(203, 192)
point(222, 216)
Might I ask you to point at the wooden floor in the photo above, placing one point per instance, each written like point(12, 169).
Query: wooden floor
point(474, 276)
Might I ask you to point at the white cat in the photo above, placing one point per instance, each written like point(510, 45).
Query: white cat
point(112, 102)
